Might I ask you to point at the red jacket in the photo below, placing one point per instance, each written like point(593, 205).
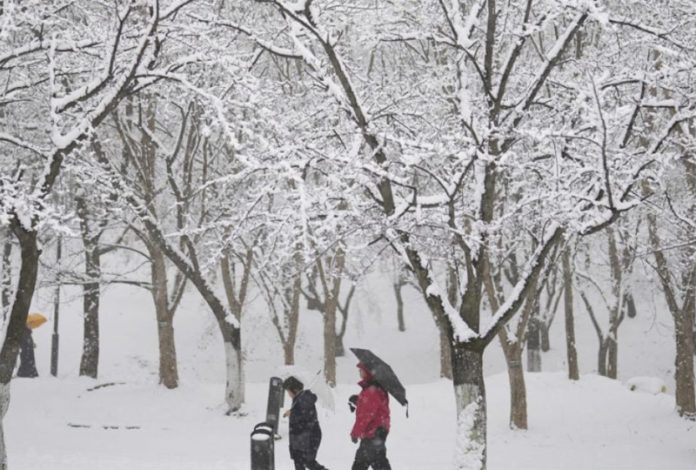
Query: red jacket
point(371, 411)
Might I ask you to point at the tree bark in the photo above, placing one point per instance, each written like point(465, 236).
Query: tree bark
point(602, 357)
point(234, 388)
point(518, 389)
point(293, 321)
point(445, 352)
point(683, 324)
point(534, 335)
point(89, 363)
point(612, 356)
point(685, 395)
point(631, 310)
point(616, 313)
point(6, 274)
point(330, 340)
point(470, 395)
point(26, 284)
point(168, 368)
point(399, 305)
point(545, 340)
point(571, 351)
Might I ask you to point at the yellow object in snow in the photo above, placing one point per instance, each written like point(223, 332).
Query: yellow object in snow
point(35, 320)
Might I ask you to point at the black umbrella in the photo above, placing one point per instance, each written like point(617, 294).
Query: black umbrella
point(383, 374)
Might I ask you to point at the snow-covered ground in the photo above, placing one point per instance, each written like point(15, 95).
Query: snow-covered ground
point(595, 423)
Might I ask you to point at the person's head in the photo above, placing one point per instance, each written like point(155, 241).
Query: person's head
point(365, 373)
point(293, 386)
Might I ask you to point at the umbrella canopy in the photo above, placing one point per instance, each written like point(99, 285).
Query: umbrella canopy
point(35, 320)
point(312, 380)
point(383, 374)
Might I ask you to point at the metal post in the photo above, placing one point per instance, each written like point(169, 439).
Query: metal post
point(275, 402)
point(262, 447)
point(56, 312)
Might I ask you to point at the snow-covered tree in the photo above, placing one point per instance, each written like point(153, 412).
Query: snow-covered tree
point(513, 133)
point(65, 66)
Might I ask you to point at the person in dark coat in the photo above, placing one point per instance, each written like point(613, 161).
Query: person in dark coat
point(372, 423)
point(305, 433)
point(27, 362)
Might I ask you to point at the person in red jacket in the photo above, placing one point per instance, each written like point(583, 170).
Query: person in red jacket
point(371, 423)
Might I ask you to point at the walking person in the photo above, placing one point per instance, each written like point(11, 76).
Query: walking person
point(305, 432)
point(27, 362)
point(371, 423)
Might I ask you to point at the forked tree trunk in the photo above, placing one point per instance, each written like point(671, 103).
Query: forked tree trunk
point(571, 351)
point(89, 363)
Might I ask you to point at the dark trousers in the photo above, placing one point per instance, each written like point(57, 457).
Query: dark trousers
point(309, 465)
point(372, 453)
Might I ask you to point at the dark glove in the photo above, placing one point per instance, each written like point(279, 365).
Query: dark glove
point(354, 439)
point(352, 402)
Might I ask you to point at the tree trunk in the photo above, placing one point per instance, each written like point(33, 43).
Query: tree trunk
point(534, 345)
point(293, 321)
point(339, 347)
point(631, 310)
point(234, 387)
point(612, 357)
point(331, 296)
point(4, 406)
point(26, 284)
point(89, 363)
point(6, 274)
point(545, 340)
point(231, 334)
point(330, 340)
point(572, 354)
point(399, 305)
point(518, 390)
point(684, 363)
point(602, 357)
point(445, 353)
point(288, 353)
point(470, 394)
point(168, 368)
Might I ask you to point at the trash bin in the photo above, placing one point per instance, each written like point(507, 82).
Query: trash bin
point(262, 451)
point(275, 402)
